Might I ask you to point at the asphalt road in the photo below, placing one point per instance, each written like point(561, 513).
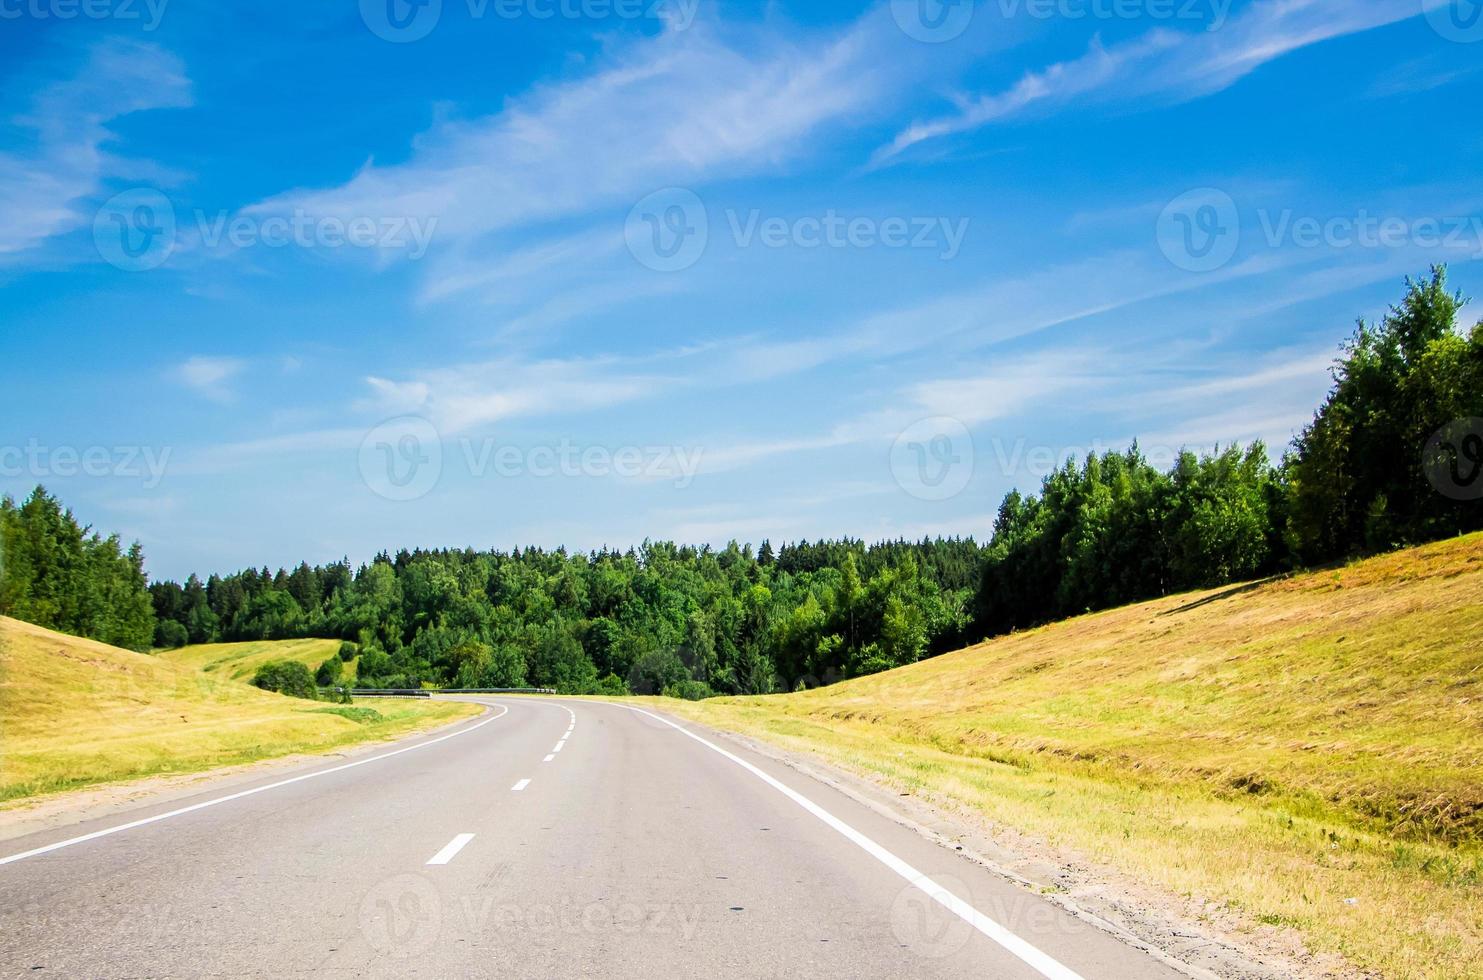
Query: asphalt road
point(547, 838)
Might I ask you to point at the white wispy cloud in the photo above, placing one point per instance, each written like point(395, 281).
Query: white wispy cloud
point(42, 190)
point(1418, 76)
point(681, 108)
point(1165, 66)
point(461, 398)
point(1000, 309)
point(1268, 397)
point(1002, 390)
point(210, 377)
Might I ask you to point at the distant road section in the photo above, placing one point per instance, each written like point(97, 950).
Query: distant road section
point(547, 838)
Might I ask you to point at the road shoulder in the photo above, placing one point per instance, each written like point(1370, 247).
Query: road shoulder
point(56, 811)
point(1195, 937)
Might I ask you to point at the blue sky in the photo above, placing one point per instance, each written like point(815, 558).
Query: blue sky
point(289, 281)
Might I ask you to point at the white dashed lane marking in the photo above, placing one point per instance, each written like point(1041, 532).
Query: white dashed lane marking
point(451, 850)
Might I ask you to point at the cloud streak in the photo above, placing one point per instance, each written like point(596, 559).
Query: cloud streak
point(210, 377)
point(41, 190)
point(1163, 65)
point(681, 108)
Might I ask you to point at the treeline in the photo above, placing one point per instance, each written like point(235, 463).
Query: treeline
point(1114, 530)
point(1366, 475)
point(689, 621)
point(58, 574)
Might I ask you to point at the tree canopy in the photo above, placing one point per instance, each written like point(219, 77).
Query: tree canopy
point(1391, 458)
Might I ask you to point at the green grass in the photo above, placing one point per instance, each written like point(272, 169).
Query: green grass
point(240, 661)
point(361, 716)
point(75, 713)
point(1281, 748)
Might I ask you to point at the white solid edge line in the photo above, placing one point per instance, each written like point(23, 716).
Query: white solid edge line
point(451, 849)
point(520, 786)
point(549, 757)
point(1041, 962)
point(245, 793)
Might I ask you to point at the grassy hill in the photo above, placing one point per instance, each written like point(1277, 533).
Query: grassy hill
point(74, 712)
point(1308, 750)
point(240, 661)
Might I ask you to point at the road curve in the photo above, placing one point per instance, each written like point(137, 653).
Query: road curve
point(547, 838)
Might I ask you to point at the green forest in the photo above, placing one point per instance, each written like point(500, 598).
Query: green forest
point(1362, 477)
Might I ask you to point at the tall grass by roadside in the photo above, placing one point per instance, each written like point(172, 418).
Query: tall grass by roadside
point(1307, 751)
point(74, 713)
point(239, 661)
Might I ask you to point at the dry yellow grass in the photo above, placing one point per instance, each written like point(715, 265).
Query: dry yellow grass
point(1307, 751)
point(74, 713)
point(240, 661)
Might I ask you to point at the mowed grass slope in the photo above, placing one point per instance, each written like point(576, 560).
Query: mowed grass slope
point(1308, 751)
point(240, 661)
point(74, 713)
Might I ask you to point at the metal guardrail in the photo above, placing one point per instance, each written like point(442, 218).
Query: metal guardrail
point(370, 693)
point(497, 690)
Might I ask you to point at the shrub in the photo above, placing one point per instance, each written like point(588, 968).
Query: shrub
point(286, 677)
point(689, 691)
point(361, 716)
point(348, 651)
point(611, 686)
point(170, 635)
point(328, 674)
point(656, 670)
